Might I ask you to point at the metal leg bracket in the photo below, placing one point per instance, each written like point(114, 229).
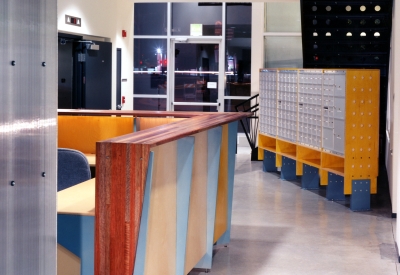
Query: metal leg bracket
point(361, 195)
point(310, 178)
point(335, 188)
point(288, 170)
point(269, 162)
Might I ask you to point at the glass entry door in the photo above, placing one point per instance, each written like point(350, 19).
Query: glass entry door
point(196, 75)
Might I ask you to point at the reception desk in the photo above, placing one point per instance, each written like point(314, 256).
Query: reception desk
point(163, 196)
point(75, 229)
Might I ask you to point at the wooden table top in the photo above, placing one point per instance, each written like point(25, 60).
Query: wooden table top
point(78, 199)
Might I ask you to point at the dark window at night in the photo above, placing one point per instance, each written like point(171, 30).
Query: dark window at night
point(150, 19)
point(150, 104)
point(185, 14)
point(238, 51)
point(149, 66)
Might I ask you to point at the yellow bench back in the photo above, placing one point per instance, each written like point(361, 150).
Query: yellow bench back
point(82, 132)
point(143, 123)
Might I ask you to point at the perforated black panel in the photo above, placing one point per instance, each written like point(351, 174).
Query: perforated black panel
point(349, 34)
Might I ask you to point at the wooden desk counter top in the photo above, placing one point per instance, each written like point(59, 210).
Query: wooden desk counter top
point(176, 130)
point(133, 113)
point(78, 199)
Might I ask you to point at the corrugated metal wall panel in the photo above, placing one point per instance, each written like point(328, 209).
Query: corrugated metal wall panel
point(28, 102)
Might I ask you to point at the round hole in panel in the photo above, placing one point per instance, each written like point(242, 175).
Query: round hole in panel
point(362, 101)
point(369, 149)
point(315, 22)
point(360, 165)
point(370, 89)
point(377, 21)
point(370, 101)
point(354, 126)
point(352, 166)
point(354, 113)
point(362, 113)
point(315, 34)
point(348, 8)
point(377, 34)
point(328, 8)
point(354, 77)
point(314, 8)
point(369, 125)
point(362, 89)
point(352, 149)
point(349, 34)
point(361, 149)
point(363, 8)
point(353, 137)
point(361, 137)
point(369, 137)
point(377, 8)
point(349, 22)
point(369, 113)
point(354, 89)
point(354, 101)
point(328, 21)
point(363, 34)
point(361, 125)
point(328, 34)
point(363, 22)
point(376, 58)
point(315, 46)
point(363, 47)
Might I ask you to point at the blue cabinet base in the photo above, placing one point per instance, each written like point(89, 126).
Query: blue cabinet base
point(269, 162)
point(288, 169)
point(310, 178)
point(361, 195)
point(335, 188)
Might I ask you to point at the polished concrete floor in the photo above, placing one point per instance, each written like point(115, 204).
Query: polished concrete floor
point(278, 228)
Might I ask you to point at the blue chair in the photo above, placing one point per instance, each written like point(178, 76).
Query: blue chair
point(73, 168)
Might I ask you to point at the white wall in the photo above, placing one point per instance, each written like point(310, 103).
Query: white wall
point(394, 118)
point(389, 119)
point(106, 19)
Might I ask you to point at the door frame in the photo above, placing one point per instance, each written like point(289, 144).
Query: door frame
point(171, 68)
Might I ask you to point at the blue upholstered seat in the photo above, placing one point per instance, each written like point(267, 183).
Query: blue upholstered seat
point(73, 168)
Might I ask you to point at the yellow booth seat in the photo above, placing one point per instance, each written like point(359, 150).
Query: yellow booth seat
point(143, 123)
point(82, 132)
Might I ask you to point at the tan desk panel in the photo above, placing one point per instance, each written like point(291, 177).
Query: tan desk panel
point(91, 159)
point(78, 199)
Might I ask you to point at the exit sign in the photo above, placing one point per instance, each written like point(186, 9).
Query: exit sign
point(72, 20)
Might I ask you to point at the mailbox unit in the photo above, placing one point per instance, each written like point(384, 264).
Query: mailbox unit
point(323, 119)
